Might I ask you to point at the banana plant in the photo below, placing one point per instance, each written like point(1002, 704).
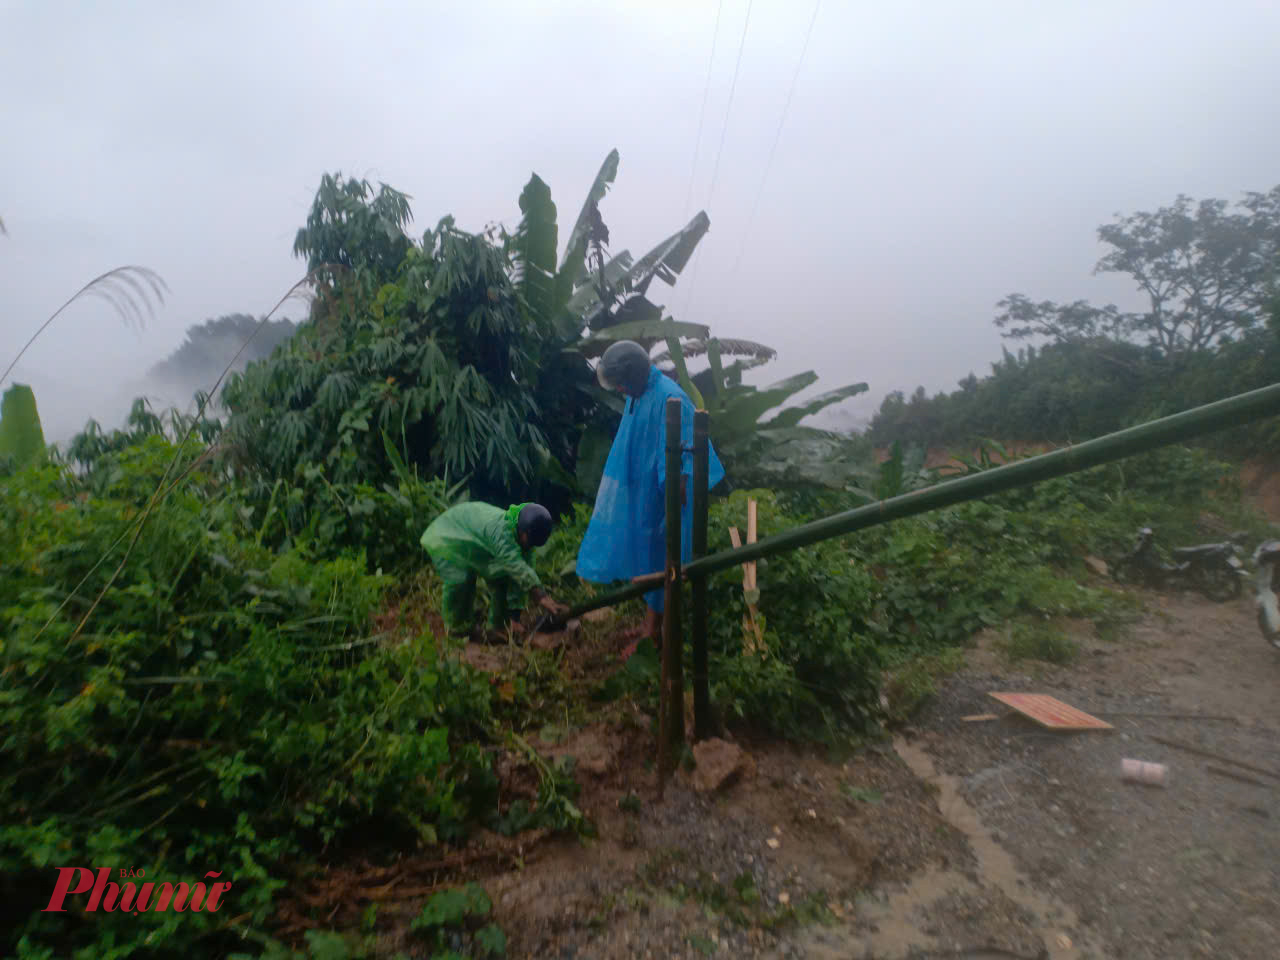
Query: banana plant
point(549, 288)
point(778, 449)
point(566, 392)
point(589, 300)
point(593, 299)
point(760, 443)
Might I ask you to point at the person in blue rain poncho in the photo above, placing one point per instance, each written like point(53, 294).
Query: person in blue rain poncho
point(626, 537)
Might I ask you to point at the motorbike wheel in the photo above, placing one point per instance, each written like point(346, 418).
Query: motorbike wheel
point(1218, 584)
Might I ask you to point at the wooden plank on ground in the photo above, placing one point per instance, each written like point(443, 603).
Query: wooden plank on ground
point(1051, 712)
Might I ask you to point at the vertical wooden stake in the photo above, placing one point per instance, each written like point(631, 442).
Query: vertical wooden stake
point(752, 636)
point(671, 690)
point(698, 628)
point(757, 634)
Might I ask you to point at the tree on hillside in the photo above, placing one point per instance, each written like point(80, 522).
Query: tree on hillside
point(1205, 269)
point(1211, 277)
point(352, 230)
point(211, 345)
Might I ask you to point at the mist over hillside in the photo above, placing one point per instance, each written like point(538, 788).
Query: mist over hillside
point(67, 403)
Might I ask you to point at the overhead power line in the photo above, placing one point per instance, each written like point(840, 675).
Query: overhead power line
point(746, 232)
point(702, 113)
point(715, 172)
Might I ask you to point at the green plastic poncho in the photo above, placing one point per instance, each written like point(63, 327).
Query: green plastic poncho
point(475, 540)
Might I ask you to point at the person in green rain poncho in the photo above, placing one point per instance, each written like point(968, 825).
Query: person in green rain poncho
point(474, 540)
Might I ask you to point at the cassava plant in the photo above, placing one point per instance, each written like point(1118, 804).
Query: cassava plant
point(426, 342)
point(587, 301)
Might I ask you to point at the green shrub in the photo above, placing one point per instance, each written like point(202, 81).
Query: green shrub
point(821, 675)
point(1032, 640)
point(224, 707)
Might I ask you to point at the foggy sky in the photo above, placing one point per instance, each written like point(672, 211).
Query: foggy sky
point(936, 156)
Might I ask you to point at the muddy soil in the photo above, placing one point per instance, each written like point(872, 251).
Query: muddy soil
point(969, 839)
point(957, 838)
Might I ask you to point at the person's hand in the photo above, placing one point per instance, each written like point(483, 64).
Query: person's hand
point(550, 605)
point(517, 628)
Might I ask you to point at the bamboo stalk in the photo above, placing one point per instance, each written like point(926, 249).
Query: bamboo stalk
point(698, 627)
point(671, 692)
point(1231, 412)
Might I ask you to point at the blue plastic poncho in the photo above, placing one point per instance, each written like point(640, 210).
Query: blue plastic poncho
point(627, 534)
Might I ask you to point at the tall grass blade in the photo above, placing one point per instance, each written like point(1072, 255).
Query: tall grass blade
point(125, 288)
point(164, 487)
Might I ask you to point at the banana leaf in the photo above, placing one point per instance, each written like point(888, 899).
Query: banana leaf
point(21, 435)
point(634, 309)
point(666, 260)
point(743, 407)
point(793, 415)
point(673, 349)
point(653, 331)
point(593, 451)
point(723, 347)
point(606, 398)
point(573, 268)
point(586, 297)
point(718, 381)
point(535, 250)
point(670, 257)
point(795, 456)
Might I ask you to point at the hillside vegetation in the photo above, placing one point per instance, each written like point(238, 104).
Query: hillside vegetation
point(220, 646)
point(1209, 274)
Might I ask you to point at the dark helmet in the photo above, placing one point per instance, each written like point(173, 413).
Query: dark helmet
point(624, 366)
point(536, 522)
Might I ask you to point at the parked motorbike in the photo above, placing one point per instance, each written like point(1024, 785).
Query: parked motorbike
point(1215, 569)
point(1266, 562)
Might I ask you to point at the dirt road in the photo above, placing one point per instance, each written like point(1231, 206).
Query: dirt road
point(1192, 869)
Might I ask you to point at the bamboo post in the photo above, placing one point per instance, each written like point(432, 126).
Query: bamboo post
point(698, 627)
point(671, 690)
